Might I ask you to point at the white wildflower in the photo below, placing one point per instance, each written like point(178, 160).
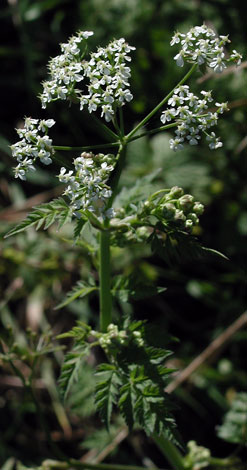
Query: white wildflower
point(32, 146)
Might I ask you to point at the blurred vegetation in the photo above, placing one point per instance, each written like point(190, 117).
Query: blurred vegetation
point(37, 269)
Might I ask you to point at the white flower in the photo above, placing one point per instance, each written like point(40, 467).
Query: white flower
point(214, 141)
point(32, 146)
point(222, 107)
point(201, 45)
point(106, 73)
point(176, 144)
point(217, 64)
point(236, 57)
point(86, 185)
point(86, 34)
point(176, 38)
point(179, 59)
point(192, 119)
point(107, 112)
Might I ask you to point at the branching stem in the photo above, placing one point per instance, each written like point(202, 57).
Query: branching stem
point(151, 114)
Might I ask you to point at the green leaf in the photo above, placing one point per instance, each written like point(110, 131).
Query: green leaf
point(175, 246)
point(80, 290)
point(45, 214)
point(125, 404)
point(71, 367)
point(138, 192)
point(106, 391)
point(129, 288)
point(78, 228)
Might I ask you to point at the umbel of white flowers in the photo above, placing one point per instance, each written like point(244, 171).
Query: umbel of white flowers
point(192, 117)
point(202, 46)
point(101, 82)
point(86, 186)
point(34, 144)
point(104, 77)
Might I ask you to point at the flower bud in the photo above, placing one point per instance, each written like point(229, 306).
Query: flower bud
point(179, 216)
point(189, 224)
point(186, 202)
point(176, 192)
point(198, 208)
point(169, 210)
point(193, 217)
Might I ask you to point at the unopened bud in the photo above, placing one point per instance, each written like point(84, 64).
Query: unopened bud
point(185, 202)
point(169, 210)
point(193, 217)
point(179, 216)
point(198, 208)
point(176, 192)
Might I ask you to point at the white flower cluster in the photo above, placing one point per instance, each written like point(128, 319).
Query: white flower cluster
point(65, 70)
point(86, 186)
point(190, 113)
point(35, 144)
point(108, 79)
point(105, 74)
point(201, 45)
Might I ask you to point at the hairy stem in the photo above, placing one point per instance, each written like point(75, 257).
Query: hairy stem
point(151, 114)
point(105, 280)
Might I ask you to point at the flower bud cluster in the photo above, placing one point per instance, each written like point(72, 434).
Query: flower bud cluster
point(177, 208)
point(192, 118)
point(105, 75)
point(114, 337)
point(34, 143)
point(201, 45)
point(198, 456)
point(86, 185)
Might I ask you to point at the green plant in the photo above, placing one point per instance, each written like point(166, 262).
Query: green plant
point(133, 374)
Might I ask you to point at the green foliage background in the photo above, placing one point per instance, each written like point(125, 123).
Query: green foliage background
point(37, 269)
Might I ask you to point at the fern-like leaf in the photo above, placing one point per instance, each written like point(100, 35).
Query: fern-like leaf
point(70, 369)
point(176, 246)
point(125, 404)
point(80, 290)
point(106, 391)
point(46, 215)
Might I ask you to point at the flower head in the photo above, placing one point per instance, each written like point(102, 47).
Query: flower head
point(202, 46)
point(190, 114)
point(103, 77)
point(86, 185)
point(35, 143)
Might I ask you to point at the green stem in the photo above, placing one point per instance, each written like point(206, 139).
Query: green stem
point(153, 131)
point(151, 114)
point(113, 144)
point(170, 452)
point(85, 148)
point(105, 280)
point(114, 179)
point(53, 464)
point(230, 462)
